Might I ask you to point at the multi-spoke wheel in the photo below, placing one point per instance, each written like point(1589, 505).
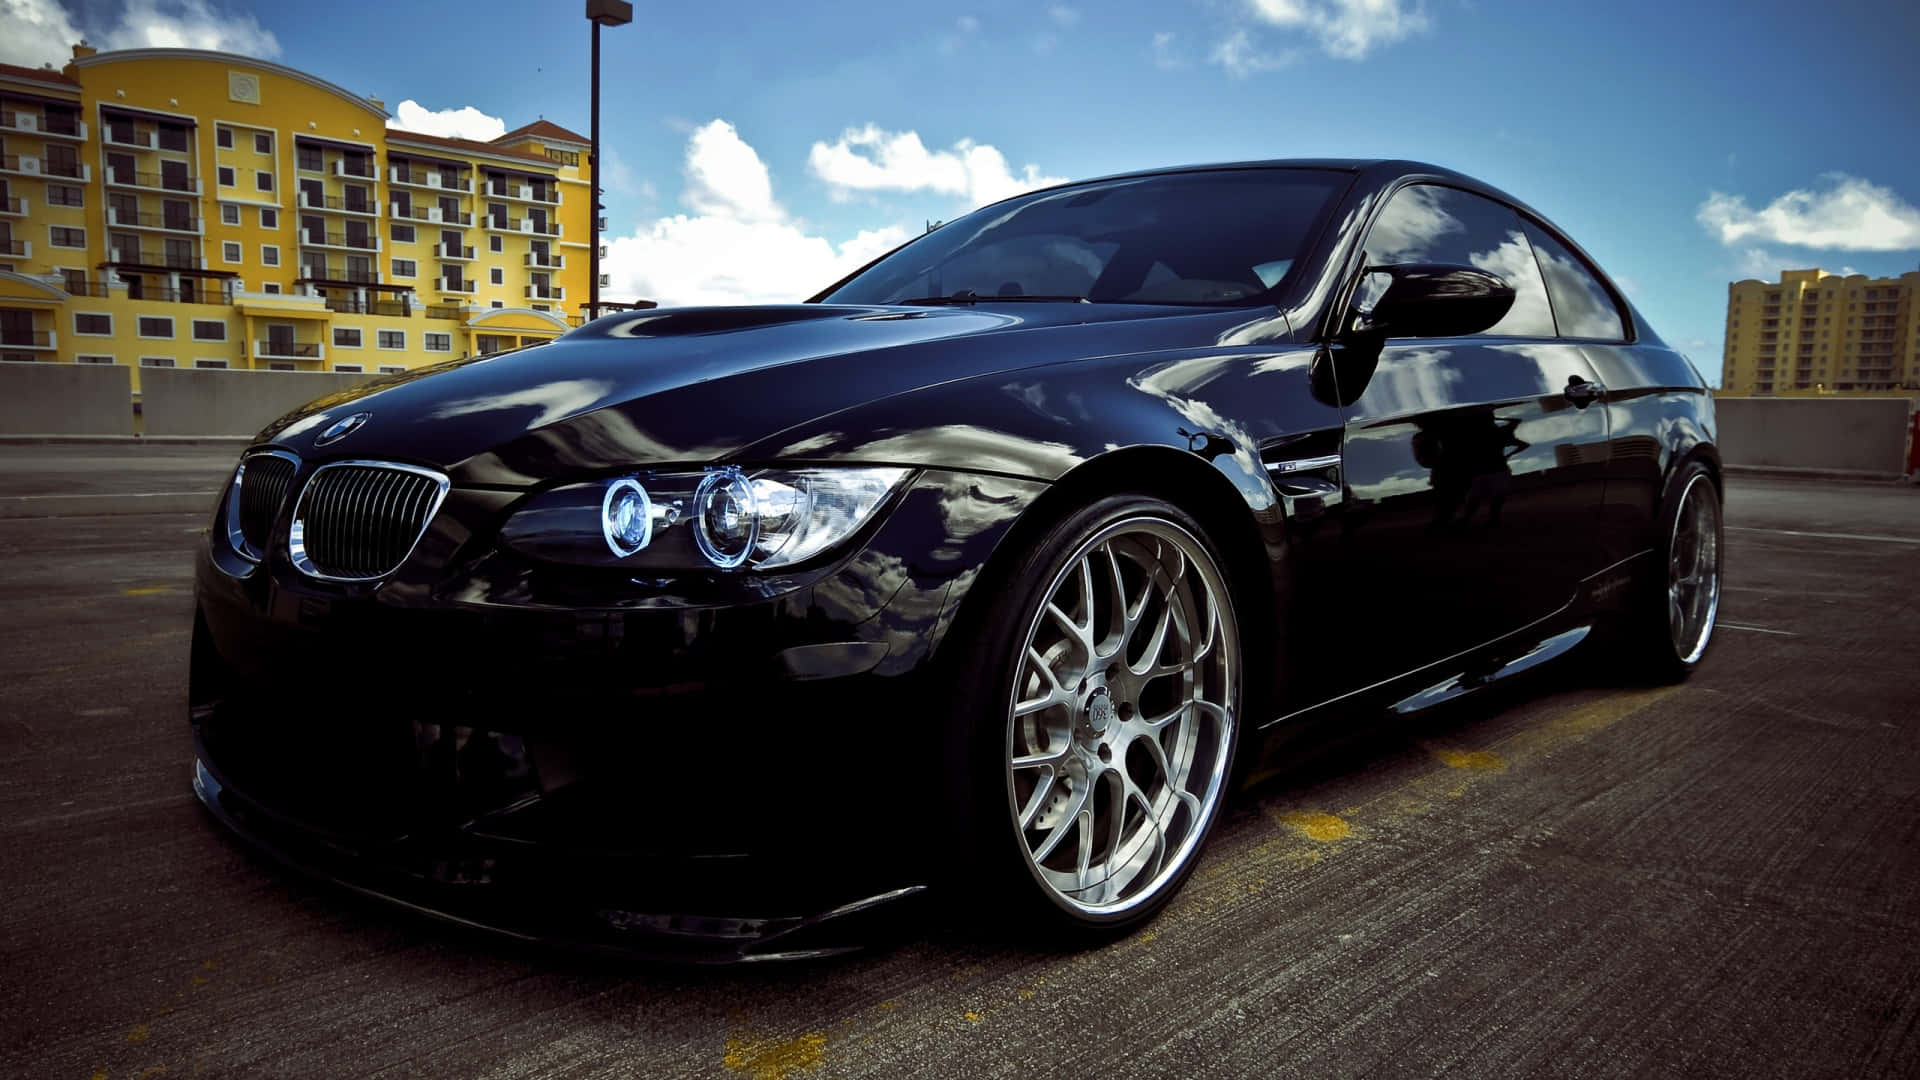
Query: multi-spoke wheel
point(1673, 611)
point(1116, 720)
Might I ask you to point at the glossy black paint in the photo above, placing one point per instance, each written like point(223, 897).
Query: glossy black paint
point(485, 724)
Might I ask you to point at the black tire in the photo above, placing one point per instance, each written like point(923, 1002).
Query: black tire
point(1651, 643)
point(1170, 794)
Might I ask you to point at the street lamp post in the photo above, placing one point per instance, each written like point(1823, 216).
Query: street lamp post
point(600, 13)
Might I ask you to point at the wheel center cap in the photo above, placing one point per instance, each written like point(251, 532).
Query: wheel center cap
point(1100, 711)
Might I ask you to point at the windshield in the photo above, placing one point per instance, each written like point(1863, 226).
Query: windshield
point(1185, 238)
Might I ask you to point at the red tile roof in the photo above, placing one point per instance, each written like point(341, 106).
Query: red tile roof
point(41, 74)
point(469, 145)
point(541, 129)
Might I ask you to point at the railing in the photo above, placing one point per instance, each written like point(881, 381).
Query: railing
point(19, 248)
point(546, 292)
point(550, 228)
point(347, 305)
point(459, 285)
point(89, 288)
point(348, 167)
point(323, 272)
point(153, 221)
point(134, 178)
point(502, 223)
point(71, 170)
point(332, 239)
point(32, 339)
point(176, 296)
point(288, 350)
point(454, 251)
point(443, 311)
point(126, 256)
point(421, 178)
point(335, 202)
point(135, 138)
point(546, 262)
point(13, 206)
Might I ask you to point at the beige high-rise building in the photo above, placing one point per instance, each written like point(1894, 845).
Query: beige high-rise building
point(1813, 332)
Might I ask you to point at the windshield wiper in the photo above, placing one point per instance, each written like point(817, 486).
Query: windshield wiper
point(969, 297)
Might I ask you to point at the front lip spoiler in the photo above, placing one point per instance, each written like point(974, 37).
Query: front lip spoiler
point(677, 938)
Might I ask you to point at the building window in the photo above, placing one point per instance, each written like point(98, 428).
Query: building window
point(435, 342)
point(495, 303)
point(543, 307)
point(92, 324)
point(209, 363)
point(263, 180)
point(280, 365)
point(223, 138)
point(497, 276)
point(269, 255)
point(62, 237)
point(346, 337)
point(76, 281)
point(262, 143)
point(309, 158)
point(156, 326)
point(209, 330)
point(564, 157)
point(496, 243)
point(229, 214)
point(65, 195)
point(391, 369)
point(92, 358)
point(403, 234)
point(271, 288)
point(230, 251)
point(156, 361)
point(393, 339)
point(269, 218)
point(347, 369)
point(405, 268)
point(172, 137)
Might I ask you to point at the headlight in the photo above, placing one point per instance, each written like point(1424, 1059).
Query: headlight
point(723, 518)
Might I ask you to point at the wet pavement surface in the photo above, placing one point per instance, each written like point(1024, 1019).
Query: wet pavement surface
point(1568, 879)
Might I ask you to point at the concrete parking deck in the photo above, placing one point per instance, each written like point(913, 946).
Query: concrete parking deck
point(1573, 880)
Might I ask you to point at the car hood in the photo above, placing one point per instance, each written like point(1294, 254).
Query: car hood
point(694, 385)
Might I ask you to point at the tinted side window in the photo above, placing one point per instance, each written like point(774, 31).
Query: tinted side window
point(1428, 224)
point(1581, 305)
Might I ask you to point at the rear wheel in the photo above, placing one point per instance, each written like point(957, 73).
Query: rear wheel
point(1103, 716)
point(1675, 607)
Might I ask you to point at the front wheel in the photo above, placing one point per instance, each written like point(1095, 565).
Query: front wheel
point(1104, 720)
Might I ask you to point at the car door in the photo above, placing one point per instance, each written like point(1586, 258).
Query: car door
point(1475, 466)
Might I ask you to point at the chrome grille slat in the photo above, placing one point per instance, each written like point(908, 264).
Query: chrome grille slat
point(359, 520)
point(263, 487)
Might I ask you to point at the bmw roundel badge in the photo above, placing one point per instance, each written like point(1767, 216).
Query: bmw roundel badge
point(342, 428)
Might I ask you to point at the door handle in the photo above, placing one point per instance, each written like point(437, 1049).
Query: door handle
point(1583, 393)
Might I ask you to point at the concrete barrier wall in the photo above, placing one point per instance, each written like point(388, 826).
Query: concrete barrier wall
point(1863, 434)
point(65, 399)
point(209, 401)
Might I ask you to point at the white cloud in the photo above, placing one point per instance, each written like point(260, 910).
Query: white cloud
point(1760, 263)
point(1063, 15)
point(1166, 56)
point(967, 24)
point(465, 122)
point(35, 32)
point(1345, 29)
point(738, 246)
point(1241, 57)
point(869, 159)
point(188, 24)
point(1851, 215)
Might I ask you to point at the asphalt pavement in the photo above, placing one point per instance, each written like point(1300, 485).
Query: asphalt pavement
point(1572, 879)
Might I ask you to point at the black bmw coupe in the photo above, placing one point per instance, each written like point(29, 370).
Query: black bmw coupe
point(707, 631)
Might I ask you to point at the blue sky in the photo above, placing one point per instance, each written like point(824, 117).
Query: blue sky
point(755, 149)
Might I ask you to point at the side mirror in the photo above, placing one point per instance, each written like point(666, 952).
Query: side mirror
point(1427, 300)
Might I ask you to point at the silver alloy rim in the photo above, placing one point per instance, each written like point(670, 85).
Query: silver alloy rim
point(1693, 570)
point(1122, 716)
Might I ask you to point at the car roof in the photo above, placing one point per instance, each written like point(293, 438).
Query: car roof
point(1381, 168)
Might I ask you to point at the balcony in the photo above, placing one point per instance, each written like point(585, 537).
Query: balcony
point(443, 311)
point(424, 179)
point(134, 257)
point(289, 350)
point(29, 339)
point(362, 169)
point(350, 275)
point(456, 285)
point(309, 238)
point(537, 261)
point(338, 205)
point(433, 215)
point(454, 251)
point(139, 140)
point(154, 181)
point(40, 168)
point(18, 249)
point(181, 223)
point(497, 223)
point(546, 292)
point(64, 127)
point(523, 193)
point(13, 207)
point(347, 305)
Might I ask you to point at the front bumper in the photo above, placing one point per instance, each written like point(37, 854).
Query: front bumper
point(614, 764)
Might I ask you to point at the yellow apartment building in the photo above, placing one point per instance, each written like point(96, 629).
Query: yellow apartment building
point(180, 208)
point(1815, 333)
